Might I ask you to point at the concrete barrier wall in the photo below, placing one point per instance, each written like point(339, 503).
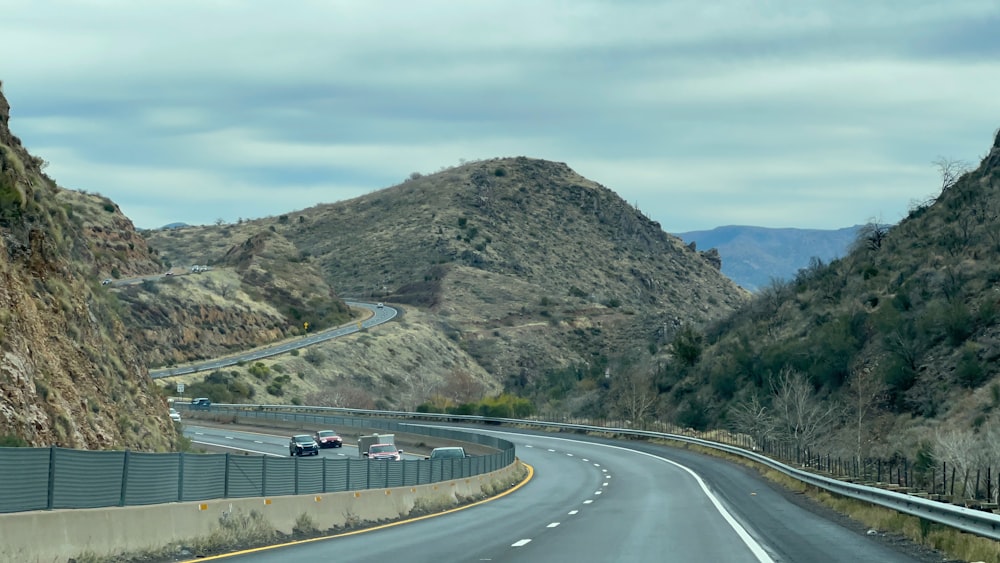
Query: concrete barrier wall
point(58, 535)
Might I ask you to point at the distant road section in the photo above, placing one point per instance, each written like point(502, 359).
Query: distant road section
point(380, 315)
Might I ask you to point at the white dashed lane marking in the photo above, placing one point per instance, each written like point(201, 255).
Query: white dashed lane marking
point(520, 543)
point(552, 525)
point(572, 512)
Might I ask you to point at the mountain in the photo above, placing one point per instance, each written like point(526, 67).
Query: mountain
point(68, 374)
point(527, 275)
point(753, 257)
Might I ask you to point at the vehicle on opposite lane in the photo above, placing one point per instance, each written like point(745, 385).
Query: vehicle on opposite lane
point(328, 439)
point(302, 444)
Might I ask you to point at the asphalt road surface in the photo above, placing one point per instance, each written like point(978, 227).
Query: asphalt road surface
point(595, 500)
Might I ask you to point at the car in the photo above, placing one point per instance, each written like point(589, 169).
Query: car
point(380, 305)
point(201, 403)
point(450, 452)
point(383, 452)
point(302, 444)
point(106, 281)
point(174, 415)
point(328, 439)
point(170, 273)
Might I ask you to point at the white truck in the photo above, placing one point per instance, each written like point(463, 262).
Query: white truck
point(379, 447)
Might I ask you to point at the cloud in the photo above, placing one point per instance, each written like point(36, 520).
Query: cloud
point(819, 114)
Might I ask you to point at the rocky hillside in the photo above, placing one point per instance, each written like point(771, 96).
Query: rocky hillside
point(906, 324)
point(530, 270)
point(68, 375)
point(257, 291)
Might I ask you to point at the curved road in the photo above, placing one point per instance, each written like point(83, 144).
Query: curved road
point(380, 315)
point(605, 500)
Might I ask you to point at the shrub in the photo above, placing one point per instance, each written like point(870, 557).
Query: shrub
point(260, 371)
point(969, 371)
point(10, 441)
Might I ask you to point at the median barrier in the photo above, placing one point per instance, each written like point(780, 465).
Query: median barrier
point(60, 535)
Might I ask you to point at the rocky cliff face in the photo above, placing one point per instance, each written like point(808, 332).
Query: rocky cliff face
point(68, 376)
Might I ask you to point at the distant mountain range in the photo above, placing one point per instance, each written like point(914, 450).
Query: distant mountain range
point(754, 256)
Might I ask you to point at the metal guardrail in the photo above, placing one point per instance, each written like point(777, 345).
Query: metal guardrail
point(978, 522)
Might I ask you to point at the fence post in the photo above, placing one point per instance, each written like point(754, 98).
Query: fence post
point(323, 469)
point(944, 477)
point(263, 477)
point(121, 500)
point(225, 485)
point(180, 477)
point(296, 460)
point(989, 485)
point(52, 478)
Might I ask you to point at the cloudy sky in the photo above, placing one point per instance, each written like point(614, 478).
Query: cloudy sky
point(820, 114)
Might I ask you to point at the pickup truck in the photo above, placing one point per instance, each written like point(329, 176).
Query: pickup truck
point(383, 452)
point(379, 446)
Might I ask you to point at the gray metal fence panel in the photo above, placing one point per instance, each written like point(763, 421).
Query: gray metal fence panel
point(151, 478)
point(309, 475)
point(336, 475)
point(357, 474)
point(411, 471)
point(245, 477)
point(86, 479)
point(378, 474)
point(279, 474)
point(203, 477)
point(25, 482)
point(394, 477)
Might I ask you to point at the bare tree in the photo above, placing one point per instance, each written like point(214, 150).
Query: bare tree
point(753, 418)
point(634, 395)
point(865, 393)
point(960, 450)
point(872, 234)
point(800, 415)
point(951, 170)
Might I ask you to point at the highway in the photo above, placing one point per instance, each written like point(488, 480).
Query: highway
point(379, 315)
point(274, 444)
point(604, 500)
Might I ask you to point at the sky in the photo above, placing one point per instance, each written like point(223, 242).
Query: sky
point(821, 114)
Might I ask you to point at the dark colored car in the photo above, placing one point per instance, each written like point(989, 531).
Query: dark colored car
point(447, 453)
point(200, 403)
point(302, 444)
point(328, 439)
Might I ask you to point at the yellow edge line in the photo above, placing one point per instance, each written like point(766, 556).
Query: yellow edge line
point(531, 473)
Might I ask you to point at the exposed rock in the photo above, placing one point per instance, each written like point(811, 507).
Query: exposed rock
point(68, 376)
